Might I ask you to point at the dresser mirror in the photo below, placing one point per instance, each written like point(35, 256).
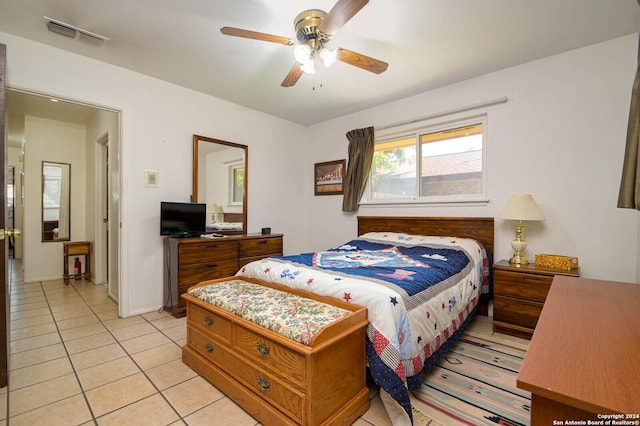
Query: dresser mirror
point(56, 203)
point(220, 181)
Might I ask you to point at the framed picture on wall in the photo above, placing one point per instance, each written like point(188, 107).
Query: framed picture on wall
point(327, 177)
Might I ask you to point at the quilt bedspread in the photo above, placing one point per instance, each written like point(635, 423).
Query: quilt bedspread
point(418, 290)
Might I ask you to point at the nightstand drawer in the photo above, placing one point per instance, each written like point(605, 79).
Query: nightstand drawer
point(522, 285)
point(516, 311)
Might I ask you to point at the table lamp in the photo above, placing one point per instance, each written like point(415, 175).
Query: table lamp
point(521, 207)
point(216, 213)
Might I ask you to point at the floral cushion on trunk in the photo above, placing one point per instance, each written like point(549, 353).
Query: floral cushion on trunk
point(287, 314)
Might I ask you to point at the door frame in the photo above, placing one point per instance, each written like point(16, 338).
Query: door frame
point(115, 183)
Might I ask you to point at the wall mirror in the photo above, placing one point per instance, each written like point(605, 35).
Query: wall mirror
point(56, 203)
point(220, 181)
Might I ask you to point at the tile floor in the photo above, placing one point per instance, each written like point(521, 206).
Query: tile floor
point(72, 361)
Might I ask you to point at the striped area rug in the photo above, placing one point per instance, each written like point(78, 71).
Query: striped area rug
point(474, 384)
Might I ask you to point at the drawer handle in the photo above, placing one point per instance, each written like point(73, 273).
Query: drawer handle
point(262, 349)
point(208, 321)
point(264, 384)
point(208, 347)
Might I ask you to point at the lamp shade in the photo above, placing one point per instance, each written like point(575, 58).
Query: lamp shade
point(522, 207)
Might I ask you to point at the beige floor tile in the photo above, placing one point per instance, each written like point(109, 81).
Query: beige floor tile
point(77, 322)
point(3, 405)
point(157, 356)
point(155, 315)
point(176, 333)
point(108, 315)
point(28, 306)
point(223, 412)
point(28, 298)
point(26, 332)
point(30, 322)
point(82, 331)
point(104, 307)
point(124, 322)
point(73, 313)
point(192, 395)
point(29, 343)
point(70, 411)
point(41, 394)
point(97, 356)
point(170, 374)
point(143, 343)
point(78, 304)
point(36, 356)
point(136, 330)
point(169, 322)
point(150, 411)
point(38, 373)
point(107, 372)
point(30, 313)
point(118, 394)
point(89, 342)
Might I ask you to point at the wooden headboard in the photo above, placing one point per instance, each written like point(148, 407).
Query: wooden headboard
point(478, 228)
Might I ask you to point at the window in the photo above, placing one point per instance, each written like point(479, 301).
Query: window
point(432, 164)
point(236, 180)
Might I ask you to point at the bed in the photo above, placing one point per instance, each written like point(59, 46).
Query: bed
point(411, 326)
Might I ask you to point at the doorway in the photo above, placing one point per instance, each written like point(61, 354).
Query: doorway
point(102, 187)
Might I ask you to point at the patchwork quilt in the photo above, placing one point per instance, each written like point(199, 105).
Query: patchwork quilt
point(419, 292)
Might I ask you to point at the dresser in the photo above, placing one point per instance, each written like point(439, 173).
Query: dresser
point(278, 379)
point(189, 261)
point(582, 363)
point(519, 292)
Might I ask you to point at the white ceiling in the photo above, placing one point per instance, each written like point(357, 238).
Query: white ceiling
point(427, 43)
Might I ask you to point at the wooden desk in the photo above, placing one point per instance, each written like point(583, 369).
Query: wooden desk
point(77, 248)
point(583, 360)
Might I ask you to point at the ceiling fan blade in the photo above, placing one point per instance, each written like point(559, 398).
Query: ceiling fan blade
point(342, 11)
point(238, 32)
point(362, 61)
point(292, 78)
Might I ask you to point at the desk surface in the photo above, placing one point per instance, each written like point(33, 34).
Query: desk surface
point(585, 351)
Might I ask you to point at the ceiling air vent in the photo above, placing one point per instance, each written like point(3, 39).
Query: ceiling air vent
point(75, 33)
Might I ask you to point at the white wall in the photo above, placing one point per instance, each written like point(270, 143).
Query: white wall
point(158, 121)
point(560, 137)
point(58, 142)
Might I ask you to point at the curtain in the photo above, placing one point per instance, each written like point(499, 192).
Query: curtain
point(361, 142)
point(629, 195)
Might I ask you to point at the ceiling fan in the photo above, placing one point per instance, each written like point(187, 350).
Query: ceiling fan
point(314, 29)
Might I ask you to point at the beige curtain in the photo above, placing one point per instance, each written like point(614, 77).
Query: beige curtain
point(361, 142)
point(629, 196)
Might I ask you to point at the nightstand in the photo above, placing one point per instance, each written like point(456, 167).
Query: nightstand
point(519, 293)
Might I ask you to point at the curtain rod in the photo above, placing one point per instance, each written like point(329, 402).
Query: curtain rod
point(451, 111)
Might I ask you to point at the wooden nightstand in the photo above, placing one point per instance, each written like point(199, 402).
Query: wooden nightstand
point(519, 293)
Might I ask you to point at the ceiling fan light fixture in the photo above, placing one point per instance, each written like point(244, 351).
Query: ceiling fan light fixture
point(328, 56)
point(308, 67)
point(302, 53)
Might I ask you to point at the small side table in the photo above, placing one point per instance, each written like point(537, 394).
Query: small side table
point(519, 293)
point(77, 248)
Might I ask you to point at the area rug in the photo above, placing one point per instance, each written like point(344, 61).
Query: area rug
point(474, 384)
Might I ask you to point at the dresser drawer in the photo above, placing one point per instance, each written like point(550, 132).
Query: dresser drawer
point(261, 247)
point(190, 274)
point(516, 311)
point(264, 351)
point(209, 322)
point(262, 382)
point(526, 286)
point(207, 251)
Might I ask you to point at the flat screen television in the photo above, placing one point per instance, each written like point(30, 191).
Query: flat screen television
point(182, 219)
